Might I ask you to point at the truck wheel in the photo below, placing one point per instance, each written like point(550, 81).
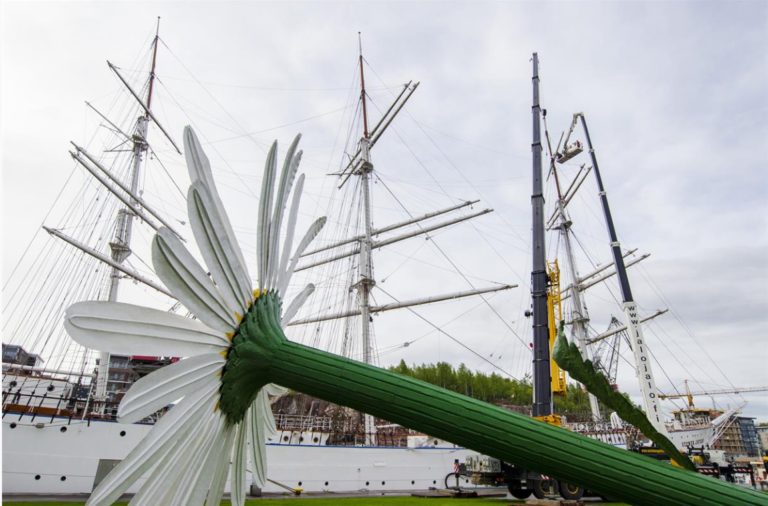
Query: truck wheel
point(540, 488)
point(570, 492)
point(518, 492)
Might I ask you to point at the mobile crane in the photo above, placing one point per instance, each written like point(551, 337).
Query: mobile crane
point(548, 378)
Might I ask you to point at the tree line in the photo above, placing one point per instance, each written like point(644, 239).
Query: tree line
point(492, 388)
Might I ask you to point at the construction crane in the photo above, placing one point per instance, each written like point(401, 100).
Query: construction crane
point(690, 394)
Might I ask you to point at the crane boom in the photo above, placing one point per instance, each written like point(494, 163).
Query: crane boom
point(690, 394)
point(637, 340)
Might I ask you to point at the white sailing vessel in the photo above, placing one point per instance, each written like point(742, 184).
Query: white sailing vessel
point(59, 426)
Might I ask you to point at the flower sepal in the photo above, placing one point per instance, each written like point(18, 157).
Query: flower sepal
point(254, 345)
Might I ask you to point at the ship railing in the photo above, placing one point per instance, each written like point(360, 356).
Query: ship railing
point(37, 408)
point(303, 423)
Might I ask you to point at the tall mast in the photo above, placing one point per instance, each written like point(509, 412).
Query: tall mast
point(579, 315)
point(637, 340)
point(366, 281)
point(121, 246)
point(542, 385)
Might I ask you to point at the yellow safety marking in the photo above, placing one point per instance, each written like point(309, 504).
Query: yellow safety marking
point(239, 317)
point(216, 408)
point(230, 335)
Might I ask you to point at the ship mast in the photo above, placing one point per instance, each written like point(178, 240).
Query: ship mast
point(121, 245)
point(579, 314)
point(360, 165)
point(366, 281)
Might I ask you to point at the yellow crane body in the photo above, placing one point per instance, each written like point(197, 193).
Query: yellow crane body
point(555, 310)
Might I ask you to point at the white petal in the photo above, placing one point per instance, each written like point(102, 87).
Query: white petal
point(197, 162)
point(157, 487)
point(126, 329)
point(219, 250)
point(263, 408)
point(200, 170)
point(185, 415)
point(188, 282)
point(296, 304)
point(194, 466)
point(173, 481)
point(265, 204)
point(275, 390)
point(167, 384)
point(221, 469)
point(290, 166)
point(258, 442)
point(208, 470)
point(314, 229)
point(290, 231)
point(240, 463)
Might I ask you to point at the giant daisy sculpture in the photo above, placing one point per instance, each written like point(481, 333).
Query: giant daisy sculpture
point(237, 353)
point(216, 419)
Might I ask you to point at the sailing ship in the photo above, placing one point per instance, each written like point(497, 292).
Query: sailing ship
point(60, 420)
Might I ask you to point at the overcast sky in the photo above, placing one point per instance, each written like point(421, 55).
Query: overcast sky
point(675, 96)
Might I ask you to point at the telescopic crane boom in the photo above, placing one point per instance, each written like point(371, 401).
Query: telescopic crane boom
point(642, 356)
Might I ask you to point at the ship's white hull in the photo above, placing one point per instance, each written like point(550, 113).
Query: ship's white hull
point(48, 461)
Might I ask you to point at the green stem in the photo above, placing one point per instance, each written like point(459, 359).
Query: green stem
point(499, 433)
point(568, 357)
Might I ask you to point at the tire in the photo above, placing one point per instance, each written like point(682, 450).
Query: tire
point(540, 488)
point(570, 492)
point(519, 492)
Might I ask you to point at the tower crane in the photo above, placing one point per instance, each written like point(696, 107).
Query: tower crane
point(690, 394)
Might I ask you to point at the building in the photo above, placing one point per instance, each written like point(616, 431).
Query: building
point(124, 370)
point(731, 440)
point(749, 435)
point(15, 354)
point(740, 439)
point(762, 438)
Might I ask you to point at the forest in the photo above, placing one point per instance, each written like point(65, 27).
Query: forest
point(494, 388)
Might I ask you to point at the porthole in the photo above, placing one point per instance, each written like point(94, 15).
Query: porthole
point(299, 483)
point(301, 439)
point(63, 429)
point(37, 476)
point(383, 482)
point(316, 440)
point(63, 478)
point(122, 433)
point(326, 483)
point(367, 483)
point(466, 481)
point(434, 482)
point(285, 439)
point(13, 425)
point(413, 483)
point(14, 383)
point(435, 443)
point(51, 388)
